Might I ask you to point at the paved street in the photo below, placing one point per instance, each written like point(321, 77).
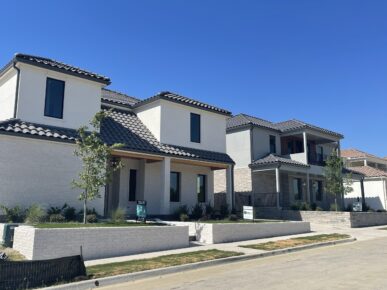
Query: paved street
point(358, 265)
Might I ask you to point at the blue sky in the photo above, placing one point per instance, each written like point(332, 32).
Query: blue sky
point(324, 62)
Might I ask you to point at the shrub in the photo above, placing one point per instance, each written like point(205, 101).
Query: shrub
point(319, 208)
point(304, 206)
point(210, 211)
point(69, 213)
point(184, 217)
point(313, 206)
point(295, 206)
point(14, 214)
point(91, 218)
point(233, 217)
point(381, 210)
point(348, 208)
point(183, 209)
point(118, 216)
point(197, 212)
point(57, 218)
point(55, 210)
point(223, 211)
point(334, 207)
point(35, 214)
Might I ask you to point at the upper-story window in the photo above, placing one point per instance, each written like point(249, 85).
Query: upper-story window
point(273, 145)
point(54, 98)
point(195, 128)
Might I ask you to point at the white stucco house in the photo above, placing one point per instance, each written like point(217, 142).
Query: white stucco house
point(373, 184)
point(173, 144)
point(278, 164)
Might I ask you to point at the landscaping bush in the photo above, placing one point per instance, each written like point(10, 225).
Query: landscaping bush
point(334, 207)
point(14, 214)
point(197, 212)
point(88, 212)
point(184, 217)
point(319, 208)
point(348, 208)
point(57, 218)
point(210, 211)
point(70, 213)
point(118, 216)
point(233, 217)
point(313, 206)
point(295, 206)
point(91, 218)
point(55, 210)
point(183, 209)
point(381, 210)
point(35, 214)
point(304, 206)
point(223, 211)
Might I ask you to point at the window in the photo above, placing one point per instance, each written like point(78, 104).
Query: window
point(319, 191)
point(299, 146)
point(201, 188)
point(272, 144)
point(320, 154)
point(195, 128)
point(290, 147)
point(175, 187)
point(132, 184)
point(297, 188)
point(54, 98)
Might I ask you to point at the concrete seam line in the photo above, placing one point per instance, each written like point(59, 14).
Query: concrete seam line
point(106, 281)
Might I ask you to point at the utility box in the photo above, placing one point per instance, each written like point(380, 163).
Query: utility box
point(7, 234)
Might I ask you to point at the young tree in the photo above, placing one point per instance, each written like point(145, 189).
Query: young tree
point(337, 183)
point(95, 155)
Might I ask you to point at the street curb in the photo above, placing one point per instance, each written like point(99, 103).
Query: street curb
point(91, 284)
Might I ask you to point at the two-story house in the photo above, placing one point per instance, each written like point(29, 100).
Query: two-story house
point(278, 164)
point(172, 144)
point(373, 185)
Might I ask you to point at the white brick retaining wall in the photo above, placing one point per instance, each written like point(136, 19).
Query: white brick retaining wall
point(37, 244)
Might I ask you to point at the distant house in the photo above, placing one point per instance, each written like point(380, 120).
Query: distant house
point(278, 164)
point(173, 144)
point(374, 182)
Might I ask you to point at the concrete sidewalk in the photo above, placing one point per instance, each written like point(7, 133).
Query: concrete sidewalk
point(358, 233)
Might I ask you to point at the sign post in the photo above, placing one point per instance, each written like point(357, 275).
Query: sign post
point(248, 213)
point(141, 210)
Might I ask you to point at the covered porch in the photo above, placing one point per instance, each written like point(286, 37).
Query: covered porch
point(164, 182)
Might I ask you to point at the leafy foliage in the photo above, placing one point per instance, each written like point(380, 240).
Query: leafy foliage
point(197, 212)
point(35, 214)
point(118, 216)
point(94, 154)
point(15, 214)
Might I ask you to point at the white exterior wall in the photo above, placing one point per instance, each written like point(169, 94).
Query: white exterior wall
point(150, 115)
point(82, 98)
point(188, 196)
point(37, 171)
point(375, 191)
point(238, 148)
point(7, 94)
point(97, 243)
point(261, 142)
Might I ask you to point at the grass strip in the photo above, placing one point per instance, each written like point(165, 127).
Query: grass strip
point(112, 269)
point(294, 242)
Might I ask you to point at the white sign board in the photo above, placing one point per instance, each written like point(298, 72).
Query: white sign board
point(357, 206)
point(248, 212)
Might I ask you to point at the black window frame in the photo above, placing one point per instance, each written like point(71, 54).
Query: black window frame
point(201, 196)
point(298, 196)
point(132, 185)
point(195, 131)
point(175, 197)
point(320, 191)
point(273, 144)
point(47, 112)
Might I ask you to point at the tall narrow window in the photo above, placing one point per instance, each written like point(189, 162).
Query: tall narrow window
point(273, 146)
point(297, 188)
point(201, 188)
point(54, 98)
point(132, 184)
point(319, 191)
point(195, 128)
point(175, 187)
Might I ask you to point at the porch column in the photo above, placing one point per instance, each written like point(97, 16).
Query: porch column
point(165, 185)
point(338, 149)
point(278, 185)
point(305, 146)
point(229, 187)
point(309, 197)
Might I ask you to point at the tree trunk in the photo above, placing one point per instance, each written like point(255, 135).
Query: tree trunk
point(84, 210)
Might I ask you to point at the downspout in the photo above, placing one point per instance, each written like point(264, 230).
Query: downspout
point(17, 89)
point(252, 197)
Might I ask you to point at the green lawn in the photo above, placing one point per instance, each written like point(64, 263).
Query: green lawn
point(112, 269)
point(294, 242)
point(227, 221)
point(93, 225)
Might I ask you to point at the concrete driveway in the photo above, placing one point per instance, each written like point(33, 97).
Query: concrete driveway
point(358, 265)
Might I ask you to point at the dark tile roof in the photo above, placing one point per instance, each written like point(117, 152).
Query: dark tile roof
point(182, 100)
point(124, 127)
point(242, 120)
point(16, 126)
point(57, 66)
point(275, 159)
point(118, 98)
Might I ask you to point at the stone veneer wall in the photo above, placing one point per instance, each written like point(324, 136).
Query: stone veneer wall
point(37, 244)
point(344, 219)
